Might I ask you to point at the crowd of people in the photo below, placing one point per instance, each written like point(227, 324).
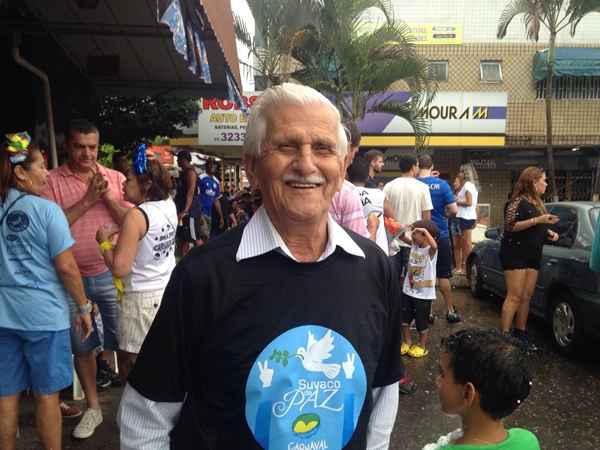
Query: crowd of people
point(287, 324)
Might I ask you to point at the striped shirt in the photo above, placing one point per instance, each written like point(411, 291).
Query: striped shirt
point(67, 188)
point(346, 209)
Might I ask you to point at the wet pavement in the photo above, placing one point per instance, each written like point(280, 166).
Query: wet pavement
point(563, 409)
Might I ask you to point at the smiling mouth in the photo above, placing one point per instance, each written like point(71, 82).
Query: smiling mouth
point(303, 185)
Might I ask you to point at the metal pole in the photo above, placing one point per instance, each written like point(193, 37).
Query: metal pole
point(48, 97)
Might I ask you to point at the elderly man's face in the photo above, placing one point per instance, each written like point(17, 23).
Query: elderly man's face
point(299, 169)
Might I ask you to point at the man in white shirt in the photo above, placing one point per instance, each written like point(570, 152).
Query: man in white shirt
point(408, 200)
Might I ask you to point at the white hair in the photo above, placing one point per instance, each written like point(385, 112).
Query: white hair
point(286, 94)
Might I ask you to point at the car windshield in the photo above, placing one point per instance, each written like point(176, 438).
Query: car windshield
point(594, 213)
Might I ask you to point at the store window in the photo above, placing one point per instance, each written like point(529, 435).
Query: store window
point(582, 88)
point(438, 70)
point(490, 71)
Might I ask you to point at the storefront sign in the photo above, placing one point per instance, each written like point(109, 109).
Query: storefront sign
point(436, 34)
point(457, 119)
point(221, 122)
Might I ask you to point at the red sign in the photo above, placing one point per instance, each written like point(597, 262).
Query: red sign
point(164, 154)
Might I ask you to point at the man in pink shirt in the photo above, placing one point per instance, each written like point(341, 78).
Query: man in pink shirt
point(346, 207)
point(91, 195)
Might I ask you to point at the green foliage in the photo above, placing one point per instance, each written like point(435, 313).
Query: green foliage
point(105, 154)
point(554, 15)
point(125, 121)
point(343, 57)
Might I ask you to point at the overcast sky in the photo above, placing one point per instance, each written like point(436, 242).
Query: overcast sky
point(241, 9)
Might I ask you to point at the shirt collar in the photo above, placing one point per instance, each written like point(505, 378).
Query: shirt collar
point(260, 236)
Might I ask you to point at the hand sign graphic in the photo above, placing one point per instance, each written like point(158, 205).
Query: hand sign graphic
point(348, 365)
point(266, 374)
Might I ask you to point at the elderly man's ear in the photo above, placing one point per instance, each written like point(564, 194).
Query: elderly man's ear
point(250, 165)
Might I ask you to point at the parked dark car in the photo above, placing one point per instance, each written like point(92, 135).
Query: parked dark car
point(566, 295)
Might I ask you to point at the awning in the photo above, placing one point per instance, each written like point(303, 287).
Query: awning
point(570, 62)
point(145, 47)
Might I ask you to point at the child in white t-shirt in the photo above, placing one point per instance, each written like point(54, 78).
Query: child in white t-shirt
point(419, 286)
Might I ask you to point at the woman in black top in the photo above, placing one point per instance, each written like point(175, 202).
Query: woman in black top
point(526, 228)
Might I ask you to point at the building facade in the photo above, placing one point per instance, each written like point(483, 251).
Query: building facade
point(472, 60)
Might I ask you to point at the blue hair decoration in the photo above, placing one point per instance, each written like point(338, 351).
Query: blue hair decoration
point(140, 159)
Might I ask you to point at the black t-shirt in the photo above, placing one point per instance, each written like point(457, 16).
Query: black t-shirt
point(272, 353)
point(531, 239)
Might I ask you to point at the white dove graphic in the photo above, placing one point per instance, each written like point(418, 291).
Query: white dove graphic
point(315, 352)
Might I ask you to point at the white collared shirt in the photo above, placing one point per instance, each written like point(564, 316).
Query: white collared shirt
point(260, 236)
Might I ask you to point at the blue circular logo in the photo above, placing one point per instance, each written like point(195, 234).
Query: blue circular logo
point(306, 391)
point(17, 221)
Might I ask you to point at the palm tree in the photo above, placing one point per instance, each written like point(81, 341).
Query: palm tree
point(277, 22)
point(555, 16)
point(352, 62)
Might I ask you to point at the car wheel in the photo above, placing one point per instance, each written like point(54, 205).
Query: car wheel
point(566, 325)
point(475, 279)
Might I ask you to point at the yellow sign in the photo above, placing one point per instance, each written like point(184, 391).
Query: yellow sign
point(434, 34)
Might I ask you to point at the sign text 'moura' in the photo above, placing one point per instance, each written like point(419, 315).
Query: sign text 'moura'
point(218, 104)
point(445, 112)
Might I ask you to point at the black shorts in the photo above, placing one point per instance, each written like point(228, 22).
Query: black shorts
point(443, 268)
point(520, 257)
point(193, 229)
point(417, 309)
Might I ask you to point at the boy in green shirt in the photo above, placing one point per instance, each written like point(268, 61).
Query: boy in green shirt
point(483, 379)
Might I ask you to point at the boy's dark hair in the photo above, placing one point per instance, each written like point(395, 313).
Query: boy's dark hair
point(406, 162)
point(82, 126)
point(494, 364)
point(425, 162)
point(429, 225)
point(373, 154)
point(358, 172)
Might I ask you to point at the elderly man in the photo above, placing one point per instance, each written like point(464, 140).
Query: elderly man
point(90, 195)
point(282, 334)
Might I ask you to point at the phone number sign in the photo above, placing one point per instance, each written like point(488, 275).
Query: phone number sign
point(222, 123)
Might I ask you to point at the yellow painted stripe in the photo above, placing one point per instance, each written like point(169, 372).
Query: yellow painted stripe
point(184, 141)
point(434, 141)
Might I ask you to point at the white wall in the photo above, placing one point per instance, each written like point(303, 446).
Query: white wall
point(479, 19)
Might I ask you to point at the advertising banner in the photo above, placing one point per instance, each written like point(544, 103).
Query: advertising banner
point(221, 122)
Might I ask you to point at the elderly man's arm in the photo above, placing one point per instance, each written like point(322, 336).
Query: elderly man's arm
point(144, 424)
point(383, 417)
point(154, 396)
point(389, 371)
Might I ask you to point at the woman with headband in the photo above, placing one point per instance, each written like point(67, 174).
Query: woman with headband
point(37, 274)
point(144, 254)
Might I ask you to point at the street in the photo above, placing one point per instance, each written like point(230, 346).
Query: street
point(562, 410)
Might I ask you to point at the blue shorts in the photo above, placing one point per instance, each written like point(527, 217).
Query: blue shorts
point(100, 290)
point(40, 360)
point(466, 225)
point(454, 226)
point(444, 259)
